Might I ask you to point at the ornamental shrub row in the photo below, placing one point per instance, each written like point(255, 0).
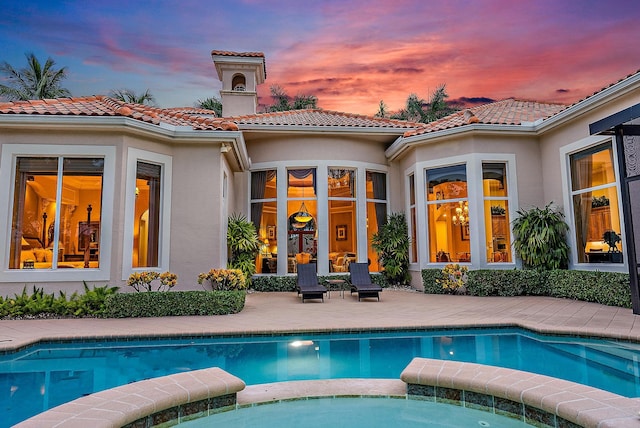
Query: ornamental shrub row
point(175, 303)
point(288, 282)
point(607, 288)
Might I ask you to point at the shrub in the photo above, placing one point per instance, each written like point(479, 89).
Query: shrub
point(224, 279)
point(143, 280)
point(453, 278)
point(243, 243)
point(288, 282)
point(607, 288)
point(391, 242)
point(516, 282)
point(159, 304)
point(430, 279)
point(540, 238)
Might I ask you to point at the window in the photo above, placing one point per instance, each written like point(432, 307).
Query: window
point(448, 214)
point(302, 240)
point(147, 212)
point(264, 216)
point(56, 214)
point(146, 223)
point(376, 213)
point(413, 221)
point(596, 211)
point(496, 212)
point(343, 242)
point(238, 83)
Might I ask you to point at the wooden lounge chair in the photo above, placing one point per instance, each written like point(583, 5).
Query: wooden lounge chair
point(361, 281)
point(307, 284)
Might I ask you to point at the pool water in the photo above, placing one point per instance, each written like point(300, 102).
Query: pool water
point(356, 412)
point(46, 375)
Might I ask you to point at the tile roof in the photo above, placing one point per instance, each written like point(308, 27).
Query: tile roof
point(100, 105)
point(245, 54)
point(505, 112)
point(323, 118)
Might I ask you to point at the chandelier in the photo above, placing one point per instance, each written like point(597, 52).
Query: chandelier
point(461, 216)
point(303, 215)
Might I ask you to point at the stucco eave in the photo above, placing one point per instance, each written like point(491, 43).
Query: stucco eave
point(402, 144)
point(164, 132)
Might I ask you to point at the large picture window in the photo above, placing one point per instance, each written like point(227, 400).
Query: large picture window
point(56, 214)
point(343, 243)
point(264, 217)
point(302, 240)
point(146, 235)
point(448, 214)
point(596, 211)
point(376, 213)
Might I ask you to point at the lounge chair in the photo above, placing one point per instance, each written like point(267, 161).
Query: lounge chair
point(307, 284)
point(361, 281)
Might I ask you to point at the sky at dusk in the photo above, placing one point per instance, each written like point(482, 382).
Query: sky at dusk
point(350, 54)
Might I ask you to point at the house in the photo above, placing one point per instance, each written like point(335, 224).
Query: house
point(97, 189)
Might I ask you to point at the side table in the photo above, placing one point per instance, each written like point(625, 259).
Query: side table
point(338, 283)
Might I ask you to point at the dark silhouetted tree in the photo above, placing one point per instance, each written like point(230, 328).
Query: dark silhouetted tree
point(34, 81)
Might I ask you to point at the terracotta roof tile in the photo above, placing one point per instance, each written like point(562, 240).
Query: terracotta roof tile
point(231, 53)
point(317, 117)
point(505, 112)
point(104, 106)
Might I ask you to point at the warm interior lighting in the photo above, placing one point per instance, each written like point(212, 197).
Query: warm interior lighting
point(25, 244)
point(303, 215)
point(461, 216)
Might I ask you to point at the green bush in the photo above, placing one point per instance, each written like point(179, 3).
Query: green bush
point(429, 281)
point(176, 303)
point(38, 303)
point(607, 288)
point(516, 282)
point(288, 282)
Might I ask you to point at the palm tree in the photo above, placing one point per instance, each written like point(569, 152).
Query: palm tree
point(211, 103)
point(129, 96)
point(283, 102)
point(34, 81)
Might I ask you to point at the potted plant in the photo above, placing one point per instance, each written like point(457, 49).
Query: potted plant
point(611, 238)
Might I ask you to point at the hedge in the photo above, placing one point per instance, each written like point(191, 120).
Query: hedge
point(288, 282)
point(174, 303)
point(607, 288)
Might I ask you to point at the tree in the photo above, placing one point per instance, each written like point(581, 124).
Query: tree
point(34, 81)
point(383, 110)
point(417, 110)
point(211, 103)
point(283, 102)
point(129, 96)
point(244, 244)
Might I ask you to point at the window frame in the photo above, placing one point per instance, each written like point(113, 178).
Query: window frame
point(10, 153)
point(164, 238)
point(565, 153)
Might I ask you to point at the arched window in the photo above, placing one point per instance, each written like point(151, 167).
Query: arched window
point(239, 83)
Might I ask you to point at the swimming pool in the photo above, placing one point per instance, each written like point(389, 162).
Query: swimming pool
point(356, 412)
point(45, 375)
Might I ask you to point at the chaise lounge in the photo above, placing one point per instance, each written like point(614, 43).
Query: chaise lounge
point(307, 283)
point(361, 283)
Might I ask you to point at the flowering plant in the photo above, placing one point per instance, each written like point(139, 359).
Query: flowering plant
point(141, 281)
point(224, 279)
point(454, 278)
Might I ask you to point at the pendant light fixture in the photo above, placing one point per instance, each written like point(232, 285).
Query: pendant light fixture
point(303, 215)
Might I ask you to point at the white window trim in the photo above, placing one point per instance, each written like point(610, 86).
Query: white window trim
point(565, 173)
point(322, 222)
point(475, 196)
point(165, 161)
point(10, 152)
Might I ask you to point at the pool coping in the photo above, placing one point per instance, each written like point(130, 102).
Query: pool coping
point(165, 401)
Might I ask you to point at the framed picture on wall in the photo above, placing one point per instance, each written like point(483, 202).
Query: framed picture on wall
point(88, 234)
point(271, 232)
point(341, 232)
point(464, 232)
